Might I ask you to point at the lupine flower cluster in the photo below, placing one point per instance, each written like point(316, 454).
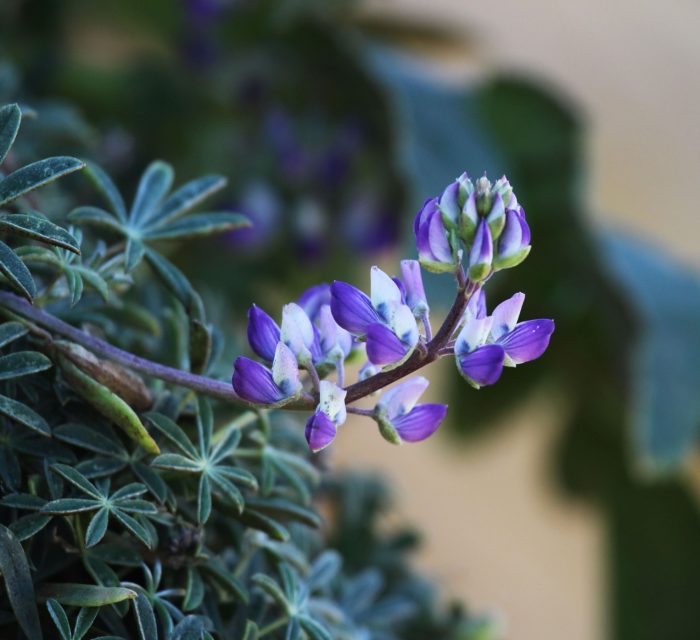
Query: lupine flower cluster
point(472, 230)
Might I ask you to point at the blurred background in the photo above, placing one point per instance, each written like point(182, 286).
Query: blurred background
point(565, 500)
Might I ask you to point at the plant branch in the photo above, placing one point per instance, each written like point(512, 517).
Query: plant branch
point(202, 384)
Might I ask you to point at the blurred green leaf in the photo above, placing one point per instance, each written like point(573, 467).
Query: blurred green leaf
point(21, 413)
point(22, 363)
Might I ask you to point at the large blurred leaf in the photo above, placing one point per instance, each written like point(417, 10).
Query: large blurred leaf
point(665, 363)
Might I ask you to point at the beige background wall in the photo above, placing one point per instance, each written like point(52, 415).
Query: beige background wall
point(497, 533)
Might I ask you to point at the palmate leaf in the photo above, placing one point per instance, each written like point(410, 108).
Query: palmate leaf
point(10, 117)
point(38, 228)
point(153, 216)
point(37, 174)
point(16, 272)
point(18, 584)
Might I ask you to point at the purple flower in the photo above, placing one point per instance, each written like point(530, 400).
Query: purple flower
point(384, 320)
point(434, 250)
point(521, 341)
point(332, 343)
point(479, 363)
point(514, 243)
point(481, 254)
point(257, 384)
point(401, 420)
point(329, 415)
point(263, 333)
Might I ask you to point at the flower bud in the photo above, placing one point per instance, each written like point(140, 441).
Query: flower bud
point(481, 253)
point(297, 332)
point(432, 240)
point(413, 283)
point(514, 243)
point(497, 216)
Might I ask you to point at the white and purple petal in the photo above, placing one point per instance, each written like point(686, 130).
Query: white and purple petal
point(253, 382)
point(505, 315)
point(384, 291)
point(481, 253)
point(527, 341)
point(449, 202)
point(420, 423)
point(332, 401)
point(482, 366)
point(263, 333)
point(297, 332)
point(285, 371)
point(403, 397)
point(320, 431)
point(351, 308)
point(473, 334)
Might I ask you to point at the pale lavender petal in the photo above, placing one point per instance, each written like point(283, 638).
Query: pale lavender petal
point(403, 397)
point(437, 238)
point(525, 227)
point(449, 201)
point(263, 333)
point(314, 298)
point(505, 315)
point(483, 366)
point(470, 211)
point(296, 332)
point(422, 215)
point(335, 342)
point(528, 340)
point(413, 282)
point(498, 209)
point(351, 308)
point(402, 288)
point(383, 347)
point(320, 431)
point(420, 423)
point(253, 382)
point(511, 240)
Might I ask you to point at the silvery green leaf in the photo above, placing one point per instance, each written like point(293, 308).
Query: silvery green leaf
point(22, 363)
point(22, 414)
point(10, 331)
point(95, 217)
point(16, 272)
point(18, 583)
point(201, 224)
point(10, 117)
point(37, 174)
point(85, 595)
point(153, 187)
point(60, 619)
point(38, 228)
point(194, 590)
point(186, 198)
point(133, 254)
point(145, 618)
point(103, 183)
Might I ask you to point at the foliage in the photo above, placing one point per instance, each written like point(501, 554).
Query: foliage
point(142, 511)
